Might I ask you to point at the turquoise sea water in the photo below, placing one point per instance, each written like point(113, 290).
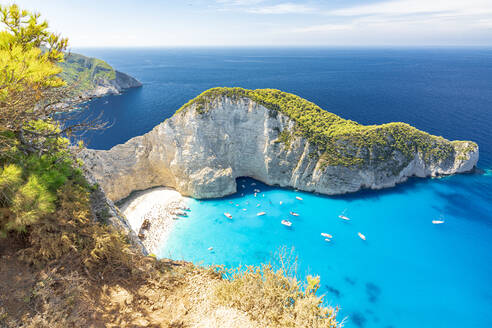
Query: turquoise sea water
point(409, 272)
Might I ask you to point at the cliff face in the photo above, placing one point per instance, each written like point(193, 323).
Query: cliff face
point(201, 152)
point(92, 77)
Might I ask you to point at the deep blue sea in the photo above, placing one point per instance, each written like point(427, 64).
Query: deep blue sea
point(409, 272)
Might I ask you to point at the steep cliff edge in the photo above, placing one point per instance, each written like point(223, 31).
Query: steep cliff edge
point(277, 138)
point(92, 77)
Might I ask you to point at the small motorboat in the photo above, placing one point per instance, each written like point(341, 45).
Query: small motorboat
point(255, 194)
point(298, 198)
point(258, 205)
point(210, 248)
point(326, 235)
point(256, 190)
point(343, 217)
point(286, 223)
point(253, 184)
point(244, 209)
point(280, 203)
point(437, 221)
point(361, 236)
point(228, 215)
point(243, 186)
point(327, 239)
point(294, 213)
point(261, 213)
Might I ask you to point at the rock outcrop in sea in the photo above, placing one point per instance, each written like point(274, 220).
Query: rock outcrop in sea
point(92, 77)
point(277, 138)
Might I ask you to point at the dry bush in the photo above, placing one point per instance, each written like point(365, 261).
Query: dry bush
point(70, 232)
point(274, 297)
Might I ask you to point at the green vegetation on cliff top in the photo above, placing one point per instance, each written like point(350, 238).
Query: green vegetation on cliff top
point(339, 141)
point(84, 72)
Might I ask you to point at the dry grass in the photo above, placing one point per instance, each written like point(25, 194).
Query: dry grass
point(271, 295)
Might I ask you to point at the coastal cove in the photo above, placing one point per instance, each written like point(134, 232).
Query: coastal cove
point(408, 270)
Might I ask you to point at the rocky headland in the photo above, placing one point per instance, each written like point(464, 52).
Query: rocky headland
point(277, 138)
point(89, 78)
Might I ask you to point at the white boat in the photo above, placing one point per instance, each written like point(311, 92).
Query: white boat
point(243, 186)
point(256, 190)
point(327, 239)
point(244, 209)
point(361, 236)
point(298, 198)
point(261, 213)
point(294, 213)
point(255, 194)
point(326, 235)
point(210, 248)
point(286, 223)
point(343, 217)
point(437, 221)
point(258, 205)
point(280, 202)
point(253, 184)
point(228, 215)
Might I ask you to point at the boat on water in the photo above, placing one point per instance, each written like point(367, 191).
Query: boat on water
point(228, 215)
point(210, 248)
point(253, 184)
point(326, 235)
point(361, 236)
point(437, 221)
point(298, 198)
point(280, 202)
point(256, 190)
point(255, 194)
point(327, 239)
point(261, 213)
point(258, 205)
point(294, 213)
point(343, 217)
point(286, 223)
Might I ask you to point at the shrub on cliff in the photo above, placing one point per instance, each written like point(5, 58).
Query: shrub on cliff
point(338, 141)
point(271, 295)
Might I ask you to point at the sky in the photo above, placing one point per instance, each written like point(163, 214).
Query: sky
point(163, 23)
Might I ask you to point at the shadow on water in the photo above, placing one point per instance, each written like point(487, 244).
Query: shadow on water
point(402, 188)
point(373, 291)
point(358, 319)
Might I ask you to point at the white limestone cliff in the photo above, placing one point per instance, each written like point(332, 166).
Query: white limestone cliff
point(201, 154)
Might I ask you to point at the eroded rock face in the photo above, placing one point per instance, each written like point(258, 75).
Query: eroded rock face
point(103, 87)
point(201, 154)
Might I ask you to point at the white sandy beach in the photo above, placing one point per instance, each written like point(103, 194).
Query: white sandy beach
point(159, 206)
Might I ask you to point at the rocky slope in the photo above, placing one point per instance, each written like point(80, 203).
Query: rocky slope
point(92, 77)
point(277, 138)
